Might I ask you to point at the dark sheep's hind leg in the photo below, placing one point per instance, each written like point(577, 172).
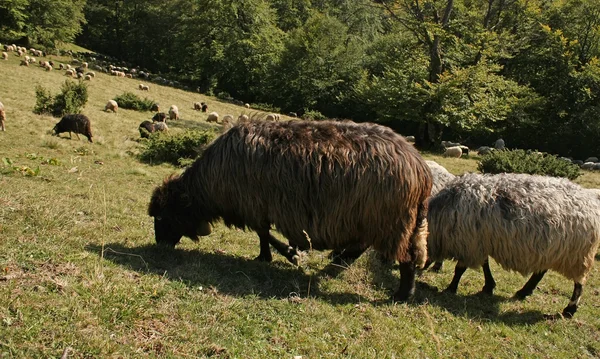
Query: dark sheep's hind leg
point(530, 286)
point(570, 310)
point(490, 283)
point(458, 272)
point(407, 282)
point(346, 255)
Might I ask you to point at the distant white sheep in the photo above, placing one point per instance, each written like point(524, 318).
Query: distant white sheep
point(4, 56)
point(455, 152)
point(111, 105)
point(143, 87)
point(173, 113)
point(213, 117)
point(2, 117)
point(227, 119)
point(272, 117)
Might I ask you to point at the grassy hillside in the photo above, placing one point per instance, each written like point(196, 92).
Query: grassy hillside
point(79, 272)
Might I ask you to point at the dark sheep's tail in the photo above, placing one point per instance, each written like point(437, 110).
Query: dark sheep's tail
point(418, 240)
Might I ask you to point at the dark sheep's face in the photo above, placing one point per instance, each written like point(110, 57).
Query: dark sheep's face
point(172, 218)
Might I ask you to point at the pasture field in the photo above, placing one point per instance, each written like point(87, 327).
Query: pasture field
point(80, 276)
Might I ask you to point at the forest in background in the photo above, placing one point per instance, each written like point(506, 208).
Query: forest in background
point(467, 70)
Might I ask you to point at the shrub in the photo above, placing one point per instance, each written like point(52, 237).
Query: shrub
point(178, 149)
point(131, 101)
point(519, 161)
point(265, 107)
point(313, 115)
point(71, 99)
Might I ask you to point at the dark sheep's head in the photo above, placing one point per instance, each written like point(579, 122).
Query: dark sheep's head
point(172, 211)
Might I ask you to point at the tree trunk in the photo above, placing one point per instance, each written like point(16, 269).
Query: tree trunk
point(429, 136)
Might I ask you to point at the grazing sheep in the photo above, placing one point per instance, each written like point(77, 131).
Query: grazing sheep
point(88, 78)
point(173, 113)
point(527, 223)
point(2, 117)
point(587, 166)
point(24, 63)
point(227, 119)
point(142, 86)
point(159, 117)
point(591, 159)
point(455, 151)
point(111, 105)
point(247, 105)
point(4, 56)
point(213, 117)
point(155, 107)
point(499, 144)
point(61, 66)
point(197, 106)
point(76, 123)
point(70, 72)
point(91, 73)
point(293, 114)
point(484, 150)
point(324, 185)
point(243, 118)
point(147, 127)
point(48, 67)
point(272, 117)
point(410, 138)
point(204, 107)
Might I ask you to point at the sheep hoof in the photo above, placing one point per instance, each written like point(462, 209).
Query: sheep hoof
point(487, 290)
point(569, 311)
point(264, 258)
point(520, 295)
point(403, 296)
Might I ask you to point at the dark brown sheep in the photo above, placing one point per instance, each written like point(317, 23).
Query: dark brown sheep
point(343, 185)
point(159, 117)
point(147, 127)
point(76, 123)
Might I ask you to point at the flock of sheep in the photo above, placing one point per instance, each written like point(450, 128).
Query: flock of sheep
point(528, 224)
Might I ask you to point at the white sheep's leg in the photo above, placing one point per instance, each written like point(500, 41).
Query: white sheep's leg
point(458, 272)
point(530, 286)
point(570, 310)
point(490, 283)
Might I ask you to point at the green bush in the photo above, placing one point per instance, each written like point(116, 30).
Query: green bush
point(72, 98)
point(177, 149)
point(519, 161)
point(131, 101)
point(313, 115)
point(265, 107)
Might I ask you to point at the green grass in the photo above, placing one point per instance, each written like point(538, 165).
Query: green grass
point(78, 268)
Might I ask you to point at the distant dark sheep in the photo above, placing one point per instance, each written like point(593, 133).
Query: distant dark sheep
point(155, 107)
point(204, 107)
point(324, 185)
point(77, 123)
point(159, 117)
point(528, 224)
point(147, 127)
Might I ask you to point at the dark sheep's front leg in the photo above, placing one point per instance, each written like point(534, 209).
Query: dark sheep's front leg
point(285, 250)
point(490, 283)
point(265, 249)
point(570, 310)
point(437, 266)
point(530, 286)
point(458, 272)
point(407, 282)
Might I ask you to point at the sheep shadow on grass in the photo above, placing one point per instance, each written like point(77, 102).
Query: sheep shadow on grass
point(226, 273)
point(478, 306)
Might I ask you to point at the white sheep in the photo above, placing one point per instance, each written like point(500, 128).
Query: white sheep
point(142, 86)
point(228, 119)
point(526, 223)
point(4, 56)
point(455, 151)
point(91, 74)
point(591, 159)
point(272, 117)
point(70, 72)
point(173, 113)
point(213, 117)
point(111, 105)
point(197, 106)
point(243, 118)
point(484, 150)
